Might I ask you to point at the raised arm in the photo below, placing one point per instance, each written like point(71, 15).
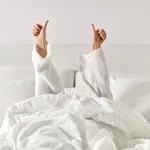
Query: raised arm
point(46, 76)
point(92, 78)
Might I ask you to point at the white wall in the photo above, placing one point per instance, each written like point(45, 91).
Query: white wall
point(126, 21)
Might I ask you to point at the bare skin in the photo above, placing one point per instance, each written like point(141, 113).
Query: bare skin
point(99, 36)
point(39, 32)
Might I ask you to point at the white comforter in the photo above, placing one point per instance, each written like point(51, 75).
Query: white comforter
point(83, 118)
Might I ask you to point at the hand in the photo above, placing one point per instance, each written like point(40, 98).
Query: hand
point(99, 36)
point(39, 32)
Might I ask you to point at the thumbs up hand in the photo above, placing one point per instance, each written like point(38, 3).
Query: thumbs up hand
point(39, 32)
point(99, 36)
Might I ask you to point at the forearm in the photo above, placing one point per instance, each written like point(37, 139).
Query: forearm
point(47, 79)
point(42, 48)
point(92, 77)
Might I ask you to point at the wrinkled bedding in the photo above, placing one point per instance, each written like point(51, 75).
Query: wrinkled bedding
point(82, 118)
point(68, 122)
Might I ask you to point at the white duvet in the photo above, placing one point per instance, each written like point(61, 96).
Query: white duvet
point(81, 118)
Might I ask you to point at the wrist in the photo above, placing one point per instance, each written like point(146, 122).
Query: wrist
point(42, 43)
point(41, 52)
point(42, 48)
point(96, 45)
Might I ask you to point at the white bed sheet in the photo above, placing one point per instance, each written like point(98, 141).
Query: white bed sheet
point(83, 118)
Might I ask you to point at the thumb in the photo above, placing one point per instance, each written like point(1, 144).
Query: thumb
point(45, 25)
point(93, 28)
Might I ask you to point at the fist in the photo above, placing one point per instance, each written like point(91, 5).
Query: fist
point(99, 35)
point(39, 31)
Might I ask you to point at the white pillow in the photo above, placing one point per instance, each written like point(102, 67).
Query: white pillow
point(17, 84)
point(133, 91)
point(12, 91)
point(67, 77)
point(16, 73)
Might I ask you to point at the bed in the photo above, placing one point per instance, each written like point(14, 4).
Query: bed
point(130, 87)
